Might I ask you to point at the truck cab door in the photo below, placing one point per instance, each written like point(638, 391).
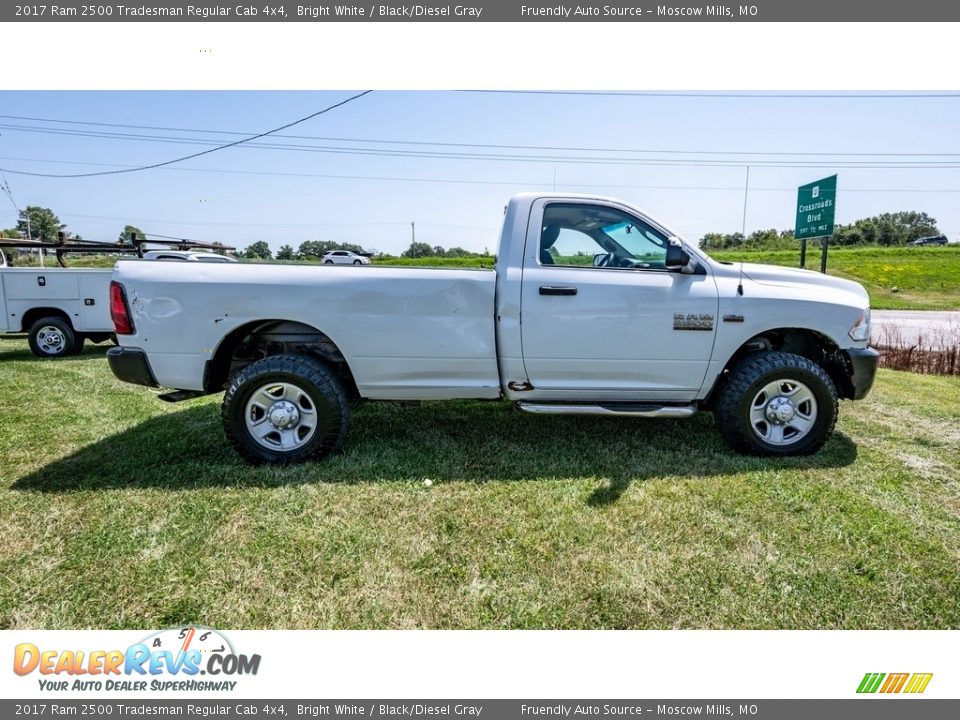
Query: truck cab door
point(602, 317)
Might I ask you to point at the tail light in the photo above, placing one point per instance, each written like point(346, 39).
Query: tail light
point(119, 312)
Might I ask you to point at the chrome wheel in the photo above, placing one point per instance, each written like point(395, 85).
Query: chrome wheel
point(281, 416)
point(51, 341)
point(783, 412)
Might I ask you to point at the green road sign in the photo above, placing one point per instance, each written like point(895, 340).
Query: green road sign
point(816, 203)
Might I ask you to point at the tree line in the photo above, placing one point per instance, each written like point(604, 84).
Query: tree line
point(42, 224)
point(884, 230)
point(316, 249)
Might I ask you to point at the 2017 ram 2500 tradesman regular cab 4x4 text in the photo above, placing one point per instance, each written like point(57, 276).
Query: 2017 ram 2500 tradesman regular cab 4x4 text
point(594, 307)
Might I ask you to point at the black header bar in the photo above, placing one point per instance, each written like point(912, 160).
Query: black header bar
point(485, 11)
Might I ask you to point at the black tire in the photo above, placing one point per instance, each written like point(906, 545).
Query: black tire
point(358, 262)
point(317, 381)
point(79, 339)
point(69, 342)
point(732, 408)
point(328, 262)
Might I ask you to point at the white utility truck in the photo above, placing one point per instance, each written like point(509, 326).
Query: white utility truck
point(60, 307)
point(594, 308)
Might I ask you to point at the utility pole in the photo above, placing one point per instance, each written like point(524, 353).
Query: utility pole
point(413, 233)
point(30, 235)
point(746, 188)
point(26, 215)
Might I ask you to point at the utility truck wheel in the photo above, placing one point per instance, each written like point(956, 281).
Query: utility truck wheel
point(776, 403)
point(285, 409)
point(79, 339)
point(52, 337)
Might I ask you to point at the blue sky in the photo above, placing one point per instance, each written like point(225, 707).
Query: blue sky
point(244, 194)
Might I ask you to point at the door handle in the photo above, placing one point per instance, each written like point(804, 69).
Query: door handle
point(558, 290)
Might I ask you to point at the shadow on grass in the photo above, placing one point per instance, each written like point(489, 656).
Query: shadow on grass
point(90, 352)
point(466, 442)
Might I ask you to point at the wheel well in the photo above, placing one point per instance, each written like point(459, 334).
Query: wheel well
point(257, 340)
point(799, 341)
point(34, 314)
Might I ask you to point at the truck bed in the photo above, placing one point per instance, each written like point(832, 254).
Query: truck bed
point(405, 332)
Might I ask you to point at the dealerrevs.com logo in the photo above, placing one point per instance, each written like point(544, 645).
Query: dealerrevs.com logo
point(179, 659)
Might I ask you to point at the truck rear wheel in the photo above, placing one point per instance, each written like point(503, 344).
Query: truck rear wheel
point(52, 337)
point(285, 409)
point(776, 404)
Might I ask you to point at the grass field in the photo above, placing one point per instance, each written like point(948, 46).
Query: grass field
point(925, 278)
point(119, 511)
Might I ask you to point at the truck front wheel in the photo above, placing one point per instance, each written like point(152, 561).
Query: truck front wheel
point(52, 337)
point(776, 404)
point(285, 409)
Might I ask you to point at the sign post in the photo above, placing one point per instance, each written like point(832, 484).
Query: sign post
point(816, 205)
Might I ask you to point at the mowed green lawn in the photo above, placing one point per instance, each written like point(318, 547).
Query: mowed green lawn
point(120, 511)
point(905, 278)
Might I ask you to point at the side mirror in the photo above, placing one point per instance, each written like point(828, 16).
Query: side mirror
point(677, 257)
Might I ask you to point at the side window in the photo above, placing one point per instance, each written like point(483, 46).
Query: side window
point(580, 235)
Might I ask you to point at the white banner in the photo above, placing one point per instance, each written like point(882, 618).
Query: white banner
point(491, 664)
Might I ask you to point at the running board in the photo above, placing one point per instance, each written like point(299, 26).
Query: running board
point(618, 409)
point(180, 395)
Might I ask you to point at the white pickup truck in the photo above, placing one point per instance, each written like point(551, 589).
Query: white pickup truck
point(594, 308)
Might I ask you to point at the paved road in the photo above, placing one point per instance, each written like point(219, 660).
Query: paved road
point(934, 328)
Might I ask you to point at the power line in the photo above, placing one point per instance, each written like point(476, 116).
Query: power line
point(507, 183)
point(5, 186)
point(307, 225)
point(514, 157)
point(496, 157)
point(381, 141)
point(204, 152)
point(738, 95)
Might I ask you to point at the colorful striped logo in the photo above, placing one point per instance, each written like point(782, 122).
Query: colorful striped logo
point(894, 682)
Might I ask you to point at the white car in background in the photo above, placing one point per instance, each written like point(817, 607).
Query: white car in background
point(187, 256)
point(344, 257)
